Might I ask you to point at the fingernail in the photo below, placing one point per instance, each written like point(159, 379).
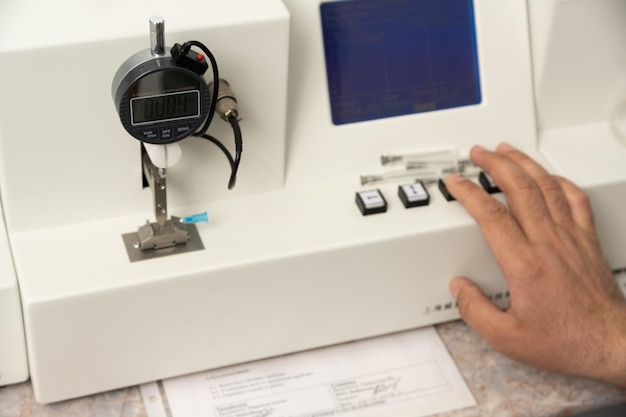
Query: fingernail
point(453, 178)
point(478, 149)
point(505, 147)
point(455, 287)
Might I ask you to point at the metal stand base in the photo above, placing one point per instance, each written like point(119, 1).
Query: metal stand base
point(136, 253)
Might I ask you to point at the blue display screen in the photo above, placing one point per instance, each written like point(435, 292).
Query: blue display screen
point(388, 58)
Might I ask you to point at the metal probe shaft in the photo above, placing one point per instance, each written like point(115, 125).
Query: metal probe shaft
point(157, 35)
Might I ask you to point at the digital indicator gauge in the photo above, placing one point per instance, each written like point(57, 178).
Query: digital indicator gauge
point(160, 93)
point(161, 96)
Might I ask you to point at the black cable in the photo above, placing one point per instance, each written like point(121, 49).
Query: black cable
point(216, 82)
point(238, 149)
point(232, 119)
point(234, 163)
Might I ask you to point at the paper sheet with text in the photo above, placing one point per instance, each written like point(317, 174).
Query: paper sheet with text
point(408, 374)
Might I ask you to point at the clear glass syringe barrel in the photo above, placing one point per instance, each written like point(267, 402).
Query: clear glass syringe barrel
point(467, 168)
point(423, 159)
point(399, 175)
point(427, 176)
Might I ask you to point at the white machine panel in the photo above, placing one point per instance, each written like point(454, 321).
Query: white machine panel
point(74, 135)
point(580, 87)
point(13, 361)
point(289, 262)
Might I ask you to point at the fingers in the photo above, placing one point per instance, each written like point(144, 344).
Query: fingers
point(524, 196)
point(551, 189)
point(536, 199)
point(478, 311)
point(579, 205)
point(500, 229)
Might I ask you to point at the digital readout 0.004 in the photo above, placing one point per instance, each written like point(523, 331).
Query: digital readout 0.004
point(165, 107)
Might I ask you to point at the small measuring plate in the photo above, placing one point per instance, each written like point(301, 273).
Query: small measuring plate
point(135, 253)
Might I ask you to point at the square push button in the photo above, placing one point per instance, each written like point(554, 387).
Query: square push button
point(488, 183)
point(413, 195)
point(371, 202)
point(444, 190)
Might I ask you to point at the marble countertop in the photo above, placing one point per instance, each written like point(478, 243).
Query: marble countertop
point(502, 388)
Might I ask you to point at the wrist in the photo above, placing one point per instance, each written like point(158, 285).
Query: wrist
point(614, 363)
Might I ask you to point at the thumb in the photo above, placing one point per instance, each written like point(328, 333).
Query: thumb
point(477, 310)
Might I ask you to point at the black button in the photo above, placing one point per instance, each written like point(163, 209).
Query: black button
point(444, 190)
point(487, 182)
point(413, 195)
point(371, 202)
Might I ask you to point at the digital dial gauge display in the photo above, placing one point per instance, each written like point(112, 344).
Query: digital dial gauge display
point(159, 101)
point(165, 108)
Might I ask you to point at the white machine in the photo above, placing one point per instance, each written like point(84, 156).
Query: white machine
point(287, 261)
point(13, 361)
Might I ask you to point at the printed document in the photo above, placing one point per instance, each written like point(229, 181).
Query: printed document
point(407, 374)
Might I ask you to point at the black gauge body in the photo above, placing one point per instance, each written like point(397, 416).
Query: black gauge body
point(158, 101)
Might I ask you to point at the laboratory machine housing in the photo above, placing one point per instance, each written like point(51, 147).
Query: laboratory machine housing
point(289, 261)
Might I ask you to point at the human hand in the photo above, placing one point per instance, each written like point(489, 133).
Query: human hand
point(566, 313)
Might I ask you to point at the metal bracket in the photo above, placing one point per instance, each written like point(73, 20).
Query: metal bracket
point(136, 253)
point(163, 237)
